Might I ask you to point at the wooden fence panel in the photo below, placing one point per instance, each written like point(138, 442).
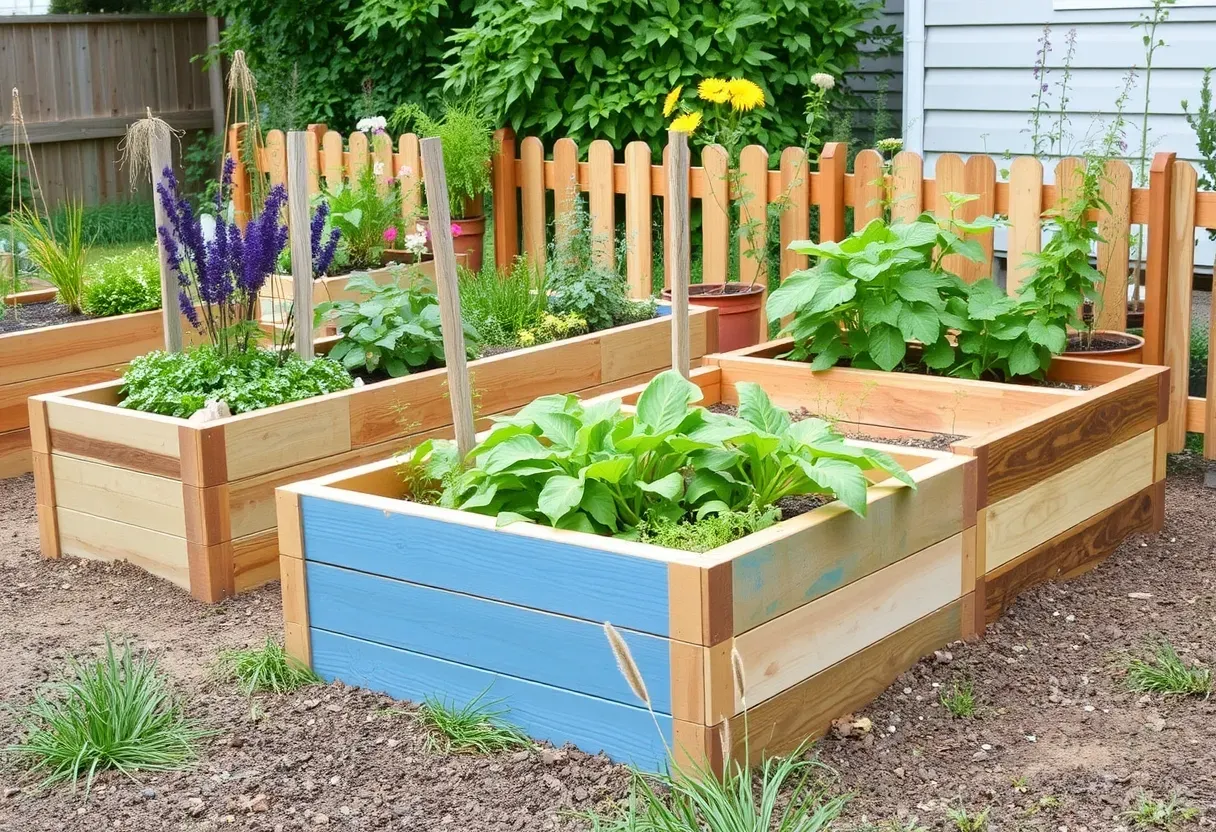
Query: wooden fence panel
point(382, 163)
point(532, 183)
point(639, 257)
point(981, 181)
point(1113, 254)
point(358, 155)
point(796, 218)
point(830, 198)
point(753, 217)
point(1156, 273)
point(565, 189)
point(276, 157)
point(868, 187)
point(1181, 272)
point(907, 189)
point(950, 174)
point(601, 201)
point(409, 173)
point(715, 215)
point(1025, 225)
point(333, 167)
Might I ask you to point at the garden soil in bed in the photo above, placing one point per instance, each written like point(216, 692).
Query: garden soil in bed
point(1058, 742)
point(37, 315)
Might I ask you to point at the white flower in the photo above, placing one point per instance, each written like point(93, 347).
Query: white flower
point(378, 169)
point(415, 244)
point(823, 80)
point(890, 145)
point(372, 124)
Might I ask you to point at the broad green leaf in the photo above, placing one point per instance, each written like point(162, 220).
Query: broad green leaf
point(883, 461)
point(939, 356)
point(915, 234)
point(665, 401)
point(919, 322)
point(559, 428)
point(610, 470)
point(517, 448)
point(1052, 336)
point(887, 346)
point(560, 494)
point(810, 431)
point(599, 503)
point(756, 407)
point(506, 518)
point(712, 507)
point(669, 486)
point(576, 522)
point(1022, 360)
point(843, 479)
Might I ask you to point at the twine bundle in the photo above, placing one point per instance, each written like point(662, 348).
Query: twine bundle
point(135, 149)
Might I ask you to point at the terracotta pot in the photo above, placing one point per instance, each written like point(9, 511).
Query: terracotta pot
point(740, 310)
point(1129, 351)
point(471, 239)
point(398, 255)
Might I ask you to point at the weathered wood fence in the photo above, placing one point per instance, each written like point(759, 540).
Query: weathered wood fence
point(84, 77)
point(535, 191)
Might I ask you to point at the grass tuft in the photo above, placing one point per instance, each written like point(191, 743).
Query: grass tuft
point(1151, 813)
point(476, 728)
point(266, 668)
point(114, 713)
point(1165, 673)
point(960, 699)
point(964, 821)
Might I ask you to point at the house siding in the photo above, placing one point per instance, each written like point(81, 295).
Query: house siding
point(867, 78)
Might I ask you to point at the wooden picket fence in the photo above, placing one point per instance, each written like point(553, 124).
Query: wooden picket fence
point(527, 181)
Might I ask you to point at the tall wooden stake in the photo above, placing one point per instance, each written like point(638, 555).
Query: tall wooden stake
point(160, 156)
point(678, 248)
point(435, 177)
point(299, 224)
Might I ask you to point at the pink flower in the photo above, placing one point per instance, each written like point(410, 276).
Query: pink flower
point(390, 234)
point(455, 230)
point(405, 171)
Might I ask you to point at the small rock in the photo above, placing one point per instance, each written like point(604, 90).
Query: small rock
point(980, 755)
point(145, 793)
point(320, 819)
point(211, 411)
point(195, 807)
point(943, 656)
point(358, 383)
point(257, 803)
point(11, 792)
point(549, 756)
point(1156, 723)
point(1139, 596)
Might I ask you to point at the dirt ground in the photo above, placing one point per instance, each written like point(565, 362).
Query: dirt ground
point(1057, 743)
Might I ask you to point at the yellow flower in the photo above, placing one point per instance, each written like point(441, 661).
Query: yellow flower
point(687, 123)
point(673, 98)
point(744, 94)
point(714, 90)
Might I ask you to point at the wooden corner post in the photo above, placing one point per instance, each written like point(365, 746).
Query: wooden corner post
point(161, 159)
point(454, 355)
point(299, 224)
point(1156, 273)
point(678, 247)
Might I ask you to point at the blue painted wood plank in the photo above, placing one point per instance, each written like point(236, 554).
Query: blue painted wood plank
point(625, 733)
point(539, 646)
point(578, 581)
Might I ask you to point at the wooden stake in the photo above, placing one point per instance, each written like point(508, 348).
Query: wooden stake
point(160, 157)
point(215, 76)
point(299, 224)
point(439, 212)
point(678, 249)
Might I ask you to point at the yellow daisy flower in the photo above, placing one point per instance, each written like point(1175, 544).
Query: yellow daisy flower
point(714, 90)
point(673, 98)
point(687, 123)
point(744, 94)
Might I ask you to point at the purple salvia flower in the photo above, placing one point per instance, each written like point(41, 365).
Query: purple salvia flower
point(321, 263)
point(187, 307)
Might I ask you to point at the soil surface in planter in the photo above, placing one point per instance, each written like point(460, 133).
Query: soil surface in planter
point(1057, 740)
point(1027, 380)
point(37, 315)
point(1100, 341)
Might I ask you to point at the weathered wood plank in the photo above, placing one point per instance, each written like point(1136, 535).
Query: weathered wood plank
point(88, 536)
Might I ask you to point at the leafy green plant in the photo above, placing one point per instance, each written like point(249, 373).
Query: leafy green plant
point(468, 146)
point(710, 532)
point(15, 183)
point(395, 329)
point(593, 468)
point(959, 700)
point(266, 668)
point(965, 821)
point(1165, 673)
point(123, 284)
point(477, 727)
point(1149, 812)
point(62, 263)
point(501, 305)
point(111, 223)
point(180, 383)
point(998, 336)
point(201, 168)
point(114, 713)
point(363, 211)
point(552, 327)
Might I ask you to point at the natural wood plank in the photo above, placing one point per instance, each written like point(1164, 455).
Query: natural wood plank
point(679, 247)
point(1069, 553)
point(1114, 226)
point(88, 536)
point(602, 203)
point(14, 409)
point(270, 439)
point(294, 590)
point(806, 710)
point(255, 561)
point(1156, 274)
point(532, 184)
point(980, 176)
point(69, 348)
point(869, 184)
point(133, 497)
point(504, 195)
point(1025, 227)
point(639, 252)
point(331, 160)
point(15, 458)
point(795, 220)
point(276, 157)
point(634, 349)
point(382, 161)
point(1027, 519)
point(299, 225)
point(565, 189)
point(907, 172)
point(160, 156)
point(1180, 275)
point(753, 222)
point(409, 174)
point(951, 176)
point(87, 429)
point(715, 215)
point(795, 646)
point(830, 196)
point(357, 155)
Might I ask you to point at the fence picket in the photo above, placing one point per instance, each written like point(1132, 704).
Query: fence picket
point(565, 189)
point(382, 161)
point(1178, 301)
point(1025, 223)
point(753, 221)
point(357, 155)
point(409, 174)
point(505, 197)
point(868, 188)
point(796, 218)
point(532, 183)
point(1113, 254)
point(951, 177)
point(981, 180)
point(907, 187)
point(331, 160)
point(715, 215)
point(276, 157)
point(601, 198)
point(639, 256)
point(1156, 276)
point(831, 190)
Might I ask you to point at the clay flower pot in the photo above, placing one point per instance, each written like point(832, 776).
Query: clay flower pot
point(740, 309)
point(1107, 345)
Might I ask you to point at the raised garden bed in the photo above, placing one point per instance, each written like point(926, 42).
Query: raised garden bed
point(825, 609)
point(194, 503)
point(1064, 474)
point(59, 357)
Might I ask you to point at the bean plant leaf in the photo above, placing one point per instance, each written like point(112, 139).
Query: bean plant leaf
point(840, 477)
point(669, 486)
point(1052, 336)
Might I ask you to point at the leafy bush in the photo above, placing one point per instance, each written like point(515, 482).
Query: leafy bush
point(116, 713)
point(112, 223)
point(13, 181)
point(591, 468)
point(123, 284)
point(1200, 344)
point(552, 327)
point(395, 329)
point(595, 68)
point(57, 251)
point(468, 146)
point(710, 532)
point(502, 305)
point(180, 383)
point(362, 214)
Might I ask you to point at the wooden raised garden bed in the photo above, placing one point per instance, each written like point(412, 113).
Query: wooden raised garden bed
point(194, 503)
point(825, 609)
point(59, 357)
point(1064, 474)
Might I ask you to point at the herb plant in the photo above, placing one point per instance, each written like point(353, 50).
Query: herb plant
point(395, 329)
point(123, 284)
point(468, 147)
point(180, 383)
point(113, 223)
point(60, 259)
point(363, 210)
point(594, 468)
point(266, 668)
point(500, 306)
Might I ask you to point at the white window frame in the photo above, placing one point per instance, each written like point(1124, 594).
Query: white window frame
point(1091, 5)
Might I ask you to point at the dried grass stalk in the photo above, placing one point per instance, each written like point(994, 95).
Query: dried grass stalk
point(736, 663)
point(136, 146)
point(626, 664)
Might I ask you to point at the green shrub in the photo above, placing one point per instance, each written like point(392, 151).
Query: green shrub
point(1200, 342)
point(14, 184)
point(468, 146)
point(178, 384)
point(362, 213)
point(123, 284)
point(112, 223)
point(113, 713)
point(501, 305)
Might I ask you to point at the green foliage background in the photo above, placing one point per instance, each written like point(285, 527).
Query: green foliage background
point(580, 68)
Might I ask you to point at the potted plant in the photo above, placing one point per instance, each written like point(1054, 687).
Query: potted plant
point(468, 149)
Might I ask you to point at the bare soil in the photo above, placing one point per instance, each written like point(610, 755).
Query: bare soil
point(1058, 743)
point(37, 315)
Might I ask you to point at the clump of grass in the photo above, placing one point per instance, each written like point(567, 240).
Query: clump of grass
point(475, 728)
point(1149, 812)
point(959, 700)
point(114, 713)
point(1165, 673)
point(61, 259)
point(965, 821)
point(266, 668)
point(501, 306)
